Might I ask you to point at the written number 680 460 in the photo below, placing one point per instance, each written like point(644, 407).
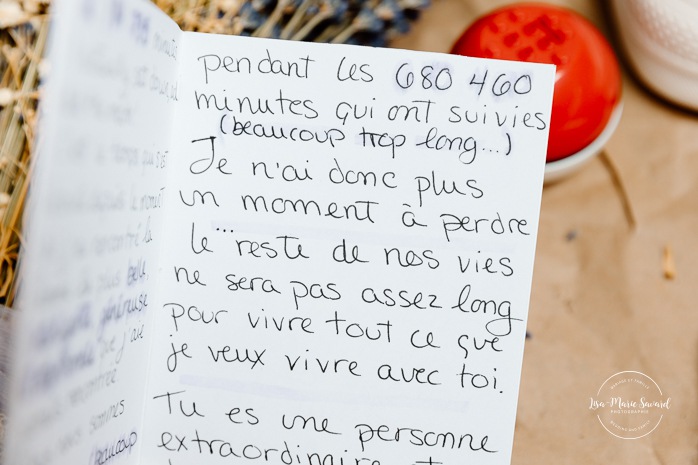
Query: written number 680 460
point(441, 79)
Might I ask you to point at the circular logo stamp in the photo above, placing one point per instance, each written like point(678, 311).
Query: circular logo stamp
point(629, 405)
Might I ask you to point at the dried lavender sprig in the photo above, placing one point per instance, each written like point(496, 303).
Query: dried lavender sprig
point(329, 10)
point(249, 17)
point(295, 21)
point(356, 21)
point(366, 21)
point(273, 19)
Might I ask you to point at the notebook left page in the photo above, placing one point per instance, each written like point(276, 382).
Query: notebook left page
point(93, 227)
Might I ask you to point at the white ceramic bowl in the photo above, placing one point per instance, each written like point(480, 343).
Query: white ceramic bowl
point(660, 39)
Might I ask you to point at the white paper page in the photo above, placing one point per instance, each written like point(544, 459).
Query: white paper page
point(370, 307)
point(94, 227)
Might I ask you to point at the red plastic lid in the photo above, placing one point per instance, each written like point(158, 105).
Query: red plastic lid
point(587, 83)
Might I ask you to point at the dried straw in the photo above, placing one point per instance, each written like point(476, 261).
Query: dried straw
point(23, 32)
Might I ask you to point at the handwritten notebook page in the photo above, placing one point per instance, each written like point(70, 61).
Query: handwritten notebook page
point(347, 255)
point(93, 228)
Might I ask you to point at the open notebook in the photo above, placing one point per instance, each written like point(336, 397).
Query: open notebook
point(247, 250)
